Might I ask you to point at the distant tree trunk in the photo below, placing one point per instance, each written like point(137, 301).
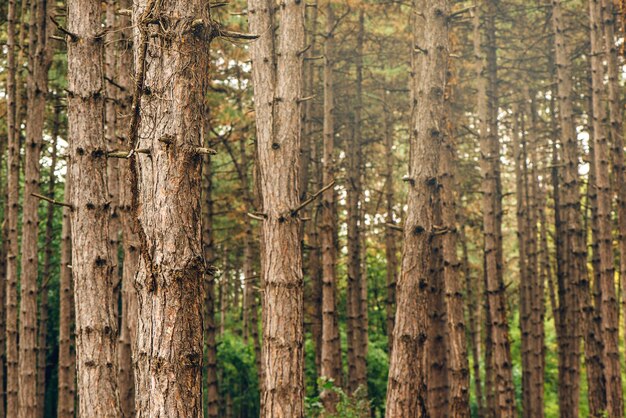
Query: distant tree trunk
point(208, 249)
point(4, 246)
point(407, 387)
point(13, 174)
point(39, 60)
point(67, 359)
point(130, 243)
point(166, 190)
point(617, 135)
point(503, 388)
point(92, 267)
point(277, 81)
point(609, 307)
point(391, 253)
point(573, 289)
point(331, 342)
point(44, 286)
point(473, 312)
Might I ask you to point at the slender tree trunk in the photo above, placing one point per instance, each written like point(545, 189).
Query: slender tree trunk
point(473, 312)
point(356, 358)
point(4, 247)
point(130, 244)
point(458, 367)
point(609, 307)
point(503, 389)
point(277, 81)
point(92, 267)
point(407, 387)
point(573, 292)
point(210, 359)
point(42, 325)
point(39, 59)
point(66, 391)
point(13, 174)
point(166, 187)
point(391, 253)
point(331, 342)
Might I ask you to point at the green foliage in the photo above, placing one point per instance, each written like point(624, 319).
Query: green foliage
point(237, 374)
point(355, 406)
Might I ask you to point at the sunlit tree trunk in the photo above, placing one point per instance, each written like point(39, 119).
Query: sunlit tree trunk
point(407, 386)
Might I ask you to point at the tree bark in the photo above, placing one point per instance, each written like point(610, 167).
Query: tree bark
point(609, 307)
point(407, 386)
point(42, 324)
point(13, 174)
point(92, 267)
point(171, 62)
point(503, 390)
point(277, 82)
point(39, 60)
point(66, 390)
point(331, 342)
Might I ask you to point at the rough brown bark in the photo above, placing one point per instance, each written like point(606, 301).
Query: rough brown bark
point(39, 60)
point(92, 267)
point(277, 81)
point(503, 390)
point(331, 343)
point(13, 173)
point(609, 307)
point(407, 386)
point(66, 391)
point(171, 63)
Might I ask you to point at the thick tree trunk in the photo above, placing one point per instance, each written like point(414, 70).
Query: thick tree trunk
point(39, 60)
point(13, 174)
point(407, 387)
point(331, 342)
point(171, 64)
point(609, 307)
point(92, 267)
point(503, 390)
point(66, 391)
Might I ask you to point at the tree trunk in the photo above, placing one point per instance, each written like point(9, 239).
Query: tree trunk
point(277, 81)
point(331, 342)
point(92, 267)
point(42, 325)
point(66, 391)
point(609, 307)
point(13, 174)
point(39, 60)
point(407, 387)
point(208, 249)
point(503, 389)
point(171, 81)
point(391, 253)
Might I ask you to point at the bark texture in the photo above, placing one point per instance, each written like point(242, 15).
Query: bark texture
point(277, 81)
point(407, 387)
point(171, 62)
point(92, 267)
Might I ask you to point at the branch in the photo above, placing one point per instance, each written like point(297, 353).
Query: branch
point(223, 33)
point(256, 217)
point(304, 204)
point(65, 31)
point(54, 202)
point(127, 154)
point(394, 227)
